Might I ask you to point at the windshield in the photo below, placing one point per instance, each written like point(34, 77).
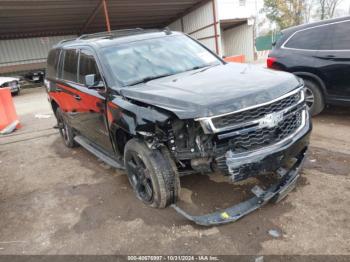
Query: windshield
point(145, 60)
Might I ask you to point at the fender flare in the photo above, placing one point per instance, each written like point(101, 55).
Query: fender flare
point(315, 78)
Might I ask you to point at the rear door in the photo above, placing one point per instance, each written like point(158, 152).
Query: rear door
point(64, 91)
point(334, 58)
point(92, 111)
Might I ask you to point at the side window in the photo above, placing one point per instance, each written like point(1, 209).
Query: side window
point(88, 66)
point(340, 36)
point(52, 62)
point(309, 39)
point(70, 65)
point(60, 64)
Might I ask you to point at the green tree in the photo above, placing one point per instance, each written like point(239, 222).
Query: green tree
point(285, 13)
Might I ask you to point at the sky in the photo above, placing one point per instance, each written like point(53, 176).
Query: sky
point(231, 8)
point(345, 6)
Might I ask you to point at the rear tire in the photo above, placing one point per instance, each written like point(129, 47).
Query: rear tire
point(152, 174)
point(66, 131)
point(314, 97)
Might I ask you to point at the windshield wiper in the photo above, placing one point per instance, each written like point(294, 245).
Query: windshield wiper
point(149, 78)
point(204, 68)
point(198, 67)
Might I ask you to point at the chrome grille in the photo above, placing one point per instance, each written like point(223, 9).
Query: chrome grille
point(235, 119)
point(259, 138)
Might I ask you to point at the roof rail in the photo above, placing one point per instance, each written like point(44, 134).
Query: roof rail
point(111, 33)
point(65, 40)
point(115, 33)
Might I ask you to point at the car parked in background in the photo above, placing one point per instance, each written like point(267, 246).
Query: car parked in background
point(319, 53)
point(12, 83)
point(35, 76)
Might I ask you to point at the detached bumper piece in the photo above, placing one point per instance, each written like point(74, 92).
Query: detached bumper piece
point(274, 194)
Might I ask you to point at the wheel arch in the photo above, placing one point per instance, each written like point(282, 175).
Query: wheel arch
point(54, 105)
point(120, 138)
point(313, 77)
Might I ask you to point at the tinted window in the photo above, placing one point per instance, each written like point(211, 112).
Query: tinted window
point(87, 66)
point(52, 62)
point(327, 37)
point(70, 65)
point(340, 36)
point(309, 39)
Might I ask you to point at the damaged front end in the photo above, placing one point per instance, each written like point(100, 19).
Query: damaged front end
point(274, 194)
point(259, 140)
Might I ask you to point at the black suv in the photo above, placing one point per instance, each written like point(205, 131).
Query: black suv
point(161, 105)
point(320, 54)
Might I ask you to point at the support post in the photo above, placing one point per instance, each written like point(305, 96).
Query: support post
point(91, 18)
point(215, 28)
point(105, 8)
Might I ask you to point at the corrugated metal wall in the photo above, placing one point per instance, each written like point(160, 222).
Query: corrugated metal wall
point(26, 51)
point(200, 25)
point(239, 41)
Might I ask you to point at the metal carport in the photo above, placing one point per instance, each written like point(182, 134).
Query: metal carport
point(28, 28)
point(32, 18)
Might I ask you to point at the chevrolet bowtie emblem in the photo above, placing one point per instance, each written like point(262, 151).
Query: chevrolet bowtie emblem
point(271, 120)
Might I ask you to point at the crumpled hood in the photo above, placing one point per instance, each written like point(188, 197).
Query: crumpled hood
point(217, 90)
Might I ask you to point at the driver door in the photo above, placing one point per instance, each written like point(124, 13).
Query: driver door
point(92, 114)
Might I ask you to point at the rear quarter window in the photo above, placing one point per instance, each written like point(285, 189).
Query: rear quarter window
point(340, 36)
point(52, 63)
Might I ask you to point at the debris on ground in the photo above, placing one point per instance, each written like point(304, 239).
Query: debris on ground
point(42, 116)
point(274, 233)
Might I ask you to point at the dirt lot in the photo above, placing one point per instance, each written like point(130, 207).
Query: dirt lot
point(54, 200)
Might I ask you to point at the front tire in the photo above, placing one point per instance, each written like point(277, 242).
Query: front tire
point(152, 174)
point(314, 97)
point(66, 131)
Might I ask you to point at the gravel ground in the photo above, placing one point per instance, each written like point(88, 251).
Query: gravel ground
point(55, 200)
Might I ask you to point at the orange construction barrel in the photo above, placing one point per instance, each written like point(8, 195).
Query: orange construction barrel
point(8, 113)
point(236, 59)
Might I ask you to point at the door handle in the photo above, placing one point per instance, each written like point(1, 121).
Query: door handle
point(77, 97)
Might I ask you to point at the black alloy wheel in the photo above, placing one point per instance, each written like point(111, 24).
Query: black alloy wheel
point(139, 177)
point(309, 97)
point(65, 130)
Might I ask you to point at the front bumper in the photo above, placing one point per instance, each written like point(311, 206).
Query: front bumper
point(274, 193)
point(268, 159)
point(271, 159)
point(15, 89)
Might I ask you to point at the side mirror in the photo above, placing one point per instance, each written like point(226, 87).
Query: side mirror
point(92, 82)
